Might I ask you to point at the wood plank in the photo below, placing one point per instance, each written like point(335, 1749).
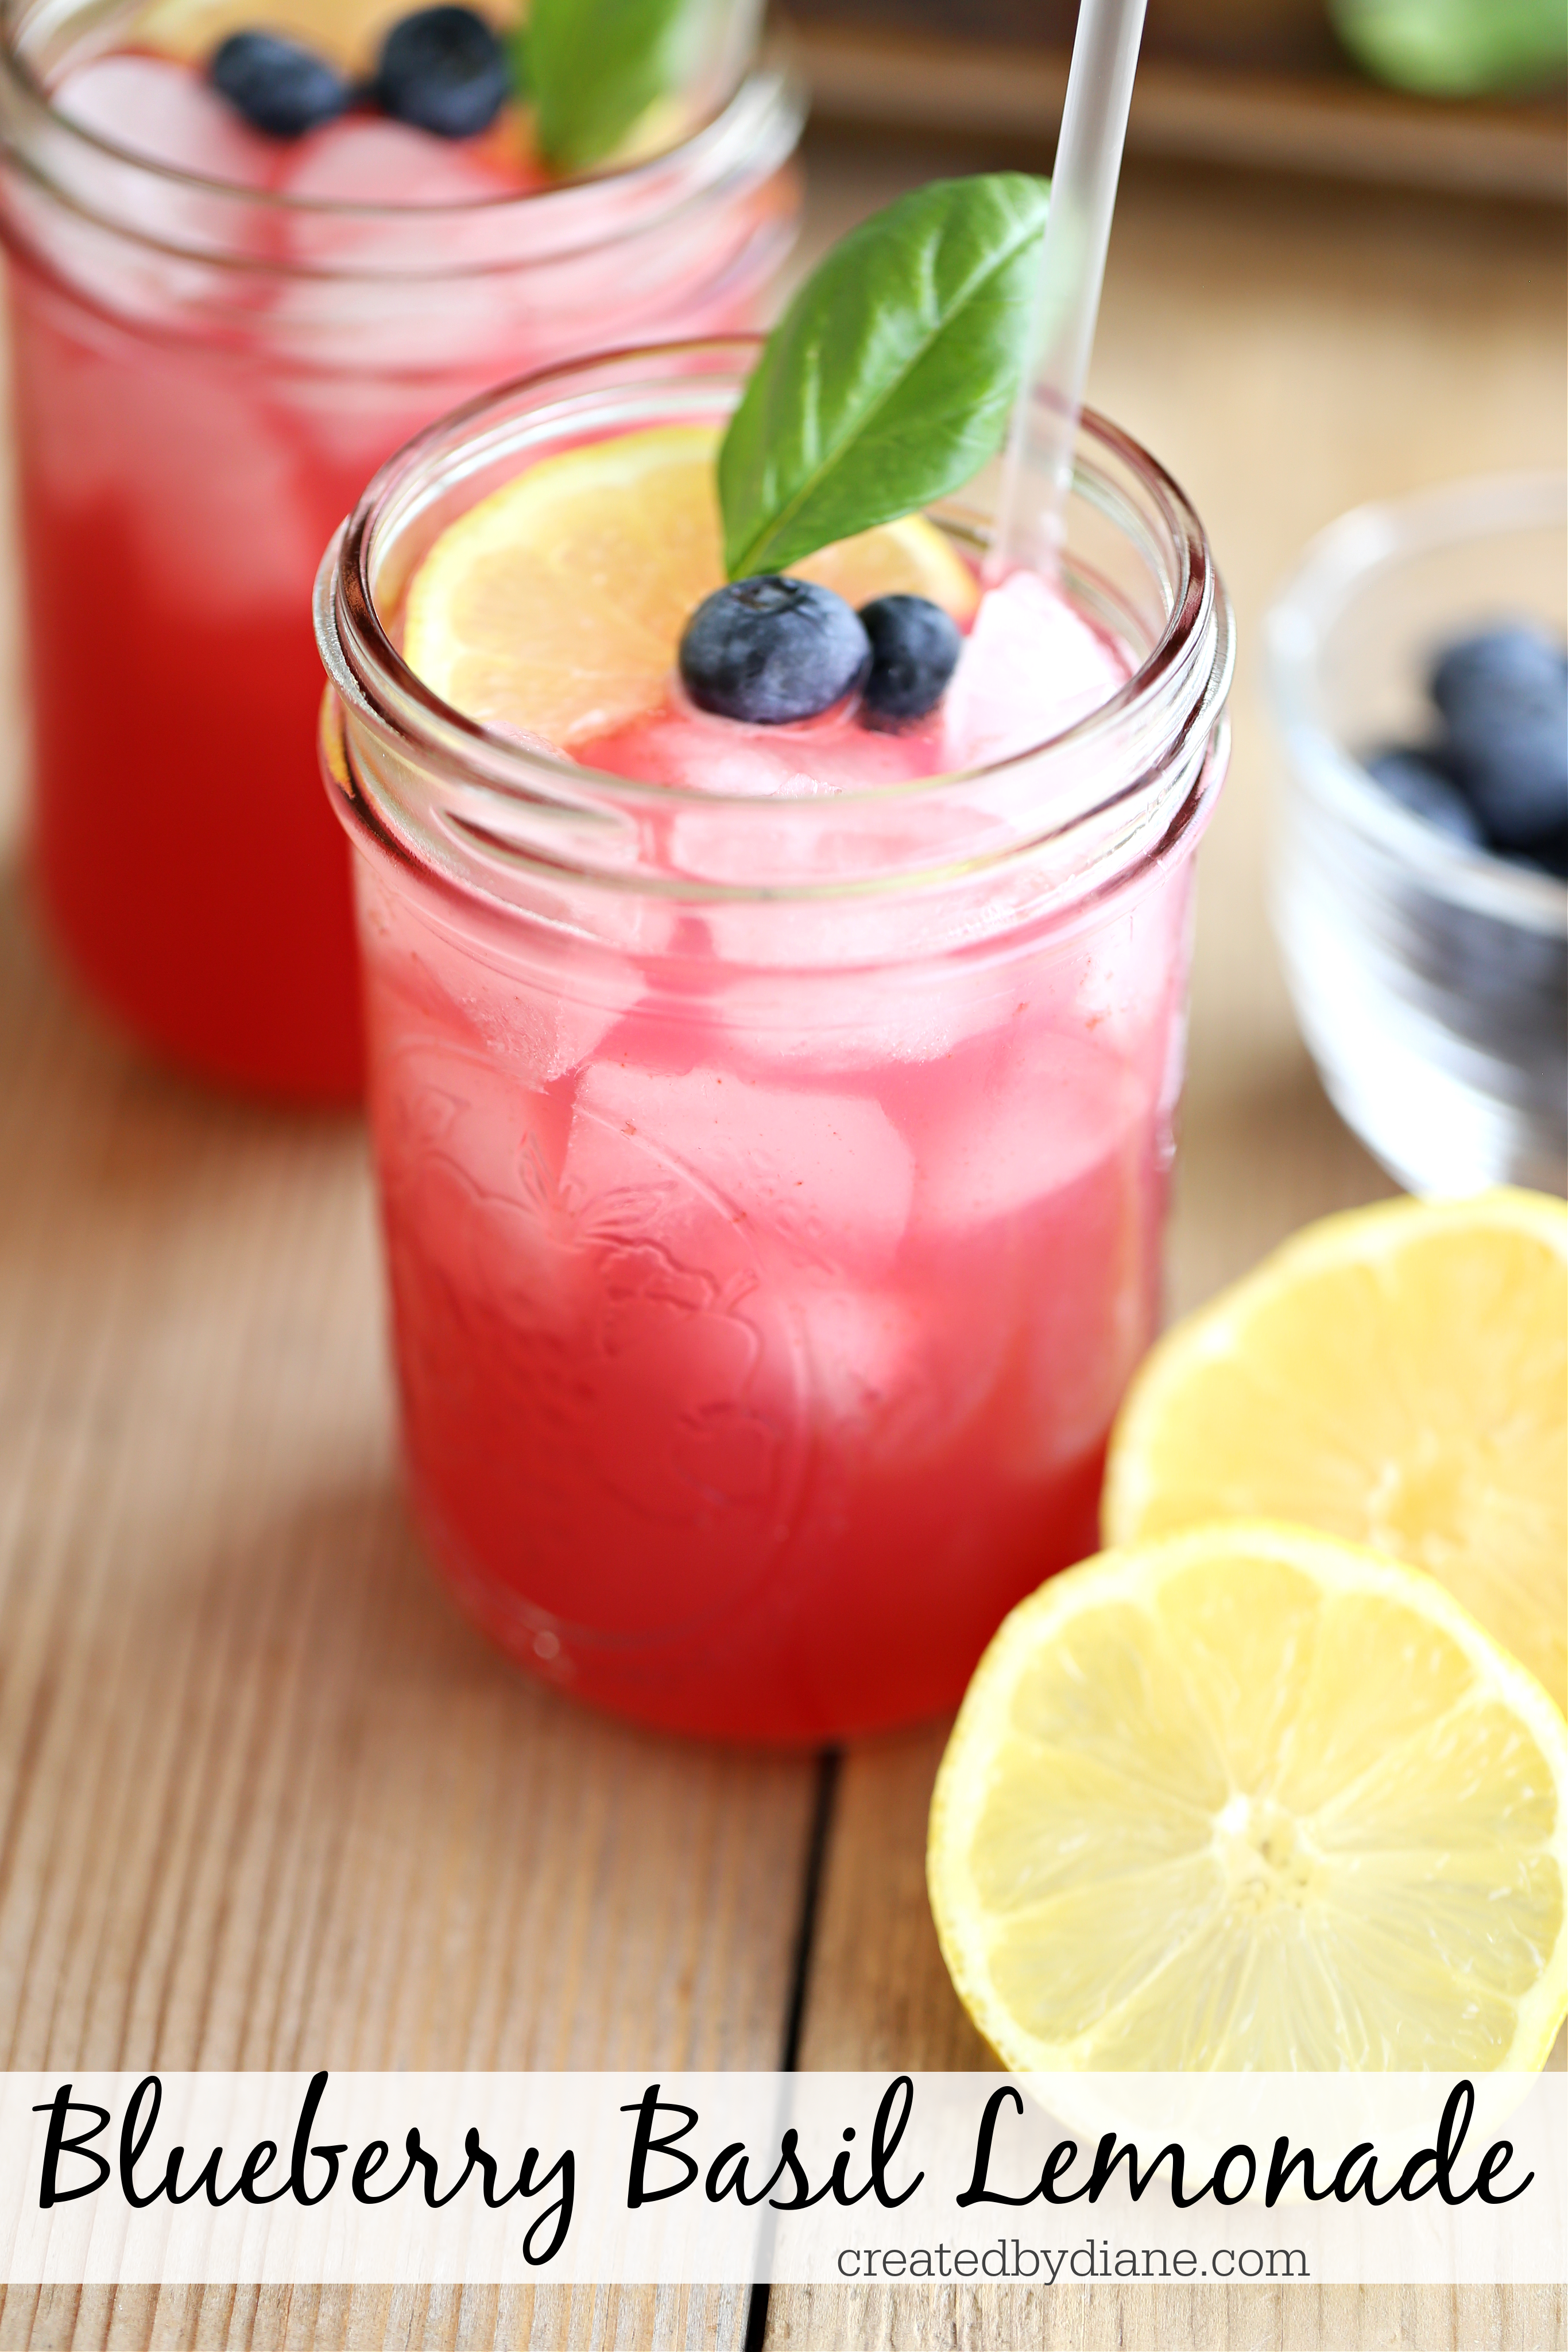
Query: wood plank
point(265, 1799)
point(1206, 2319)
point(370, 2319)
point(1335, 124)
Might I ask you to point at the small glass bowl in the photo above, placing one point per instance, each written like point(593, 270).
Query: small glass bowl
point(1430, 978)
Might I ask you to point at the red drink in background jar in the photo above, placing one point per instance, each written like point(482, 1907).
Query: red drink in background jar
point(772, 1124)
point(217, 336)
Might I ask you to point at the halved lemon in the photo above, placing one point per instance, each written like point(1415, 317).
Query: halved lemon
point(1252, 1798)
point(556, 606)
point(1400, 1376)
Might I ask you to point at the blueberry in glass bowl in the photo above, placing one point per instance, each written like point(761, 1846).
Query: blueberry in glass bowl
point(1419, 685)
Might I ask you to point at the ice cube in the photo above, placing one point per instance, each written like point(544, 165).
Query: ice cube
point(219, 492)
point(861, 1345)
point(829, 1174)
point(677, 745)
point(808, 766)
point(1058, 1108)
point(396, 235)
point(860, 1018)
point(175, 446)
point(1128, 974)
point(363, 159)
point(446, 1097)
point(68, 405)
point(1089, 1283)
point(138, 239)
point(1030, 667)
point(897, 1376)
point(534, 1025)
point(165, 112)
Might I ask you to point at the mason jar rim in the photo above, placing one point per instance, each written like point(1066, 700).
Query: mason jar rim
point(345, 594)
point(761, 119)
point(487, 815)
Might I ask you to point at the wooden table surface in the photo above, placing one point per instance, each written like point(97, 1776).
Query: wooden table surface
point(265, 1801)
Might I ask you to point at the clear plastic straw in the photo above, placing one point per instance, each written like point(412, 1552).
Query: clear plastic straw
point(1037, 466)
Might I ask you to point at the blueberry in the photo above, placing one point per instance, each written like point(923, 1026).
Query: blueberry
point(1550, 855)
point(772, 649)
point(1419, 783)
point(1487, 676)
point(1504, 695)
point(1499, 984)
point(278, 86)
point(443, 70)
point(914, 650)
point(1516, 778)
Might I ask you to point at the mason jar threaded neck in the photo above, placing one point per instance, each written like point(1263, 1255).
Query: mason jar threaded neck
point(493, 818)
point(104, 184)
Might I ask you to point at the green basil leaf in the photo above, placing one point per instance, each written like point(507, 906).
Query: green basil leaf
point(890, 378)
point(595, 67)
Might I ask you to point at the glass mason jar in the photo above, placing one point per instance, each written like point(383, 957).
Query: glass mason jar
point(204, 378)
point(772, 1188)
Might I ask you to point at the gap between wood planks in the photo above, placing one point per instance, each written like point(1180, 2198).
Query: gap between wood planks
point(829, 1764)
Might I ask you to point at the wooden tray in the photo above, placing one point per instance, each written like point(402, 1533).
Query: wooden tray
point(1283, 106)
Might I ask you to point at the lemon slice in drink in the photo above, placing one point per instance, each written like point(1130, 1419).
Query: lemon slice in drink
point(1253, 1798)
point(556, 606)
point(1400, 1376)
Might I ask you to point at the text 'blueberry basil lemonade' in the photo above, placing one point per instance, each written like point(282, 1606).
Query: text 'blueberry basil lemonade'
point(775, 986)
point(251, 252)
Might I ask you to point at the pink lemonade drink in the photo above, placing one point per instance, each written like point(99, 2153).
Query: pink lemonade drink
point(773, 1125)
point(217, 334)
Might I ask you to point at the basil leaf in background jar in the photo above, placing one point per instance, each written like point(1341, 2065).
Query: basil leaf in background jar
point(594, 67)
point(1456, 48)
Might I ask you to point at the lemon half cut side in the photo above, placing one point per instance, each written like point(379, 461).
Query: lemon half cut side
point(555, 606)
point(1253, 1798)
point(1396, 1375)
